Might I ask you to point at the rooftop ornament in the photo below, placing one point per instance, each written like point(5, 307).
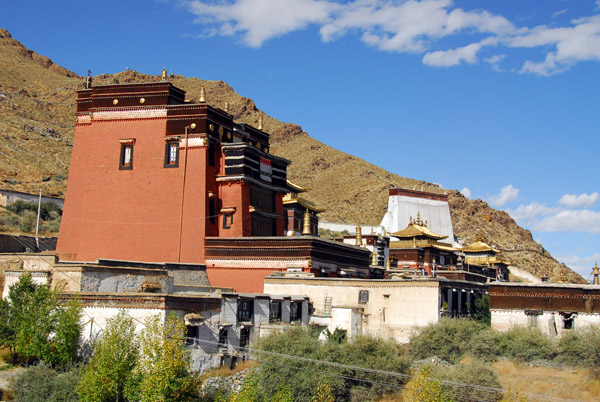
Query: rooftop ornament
point(596, 273)
point(163, 74)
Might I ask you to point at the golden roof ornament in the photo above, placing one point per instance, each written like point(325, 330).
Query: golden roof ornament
point(596, 273)
point(306, 228)
point(227, 107)
point(202, 95)
point(260, 121)
point(388, 264)
point(358, 235)
point(163, 74)
point(374, 259)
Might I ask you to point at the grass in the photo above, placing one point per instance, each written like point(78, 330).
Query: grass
point(567, 383)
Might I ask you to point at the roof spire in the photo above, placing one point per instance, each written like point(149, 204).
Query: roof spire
point(227, 107)
point(374, 258)
point(306, 228)
point(163, 74)
point(260, 121)
point(596, 273)
point(202, 95)
point(358, 235)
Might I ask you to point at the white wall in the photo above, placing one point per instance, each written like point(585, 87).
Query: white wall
point(395, 307)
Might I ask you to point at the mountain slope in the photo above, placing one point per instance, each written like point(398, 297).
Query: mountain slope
point(37, 100)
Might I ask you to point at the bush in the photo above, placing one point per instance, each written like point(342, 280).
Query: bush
point(449, 340)
point(41, 383)
point(307, 376)
point(472, 372)
point(524, 344)
point(580, 347)
point(485, 345)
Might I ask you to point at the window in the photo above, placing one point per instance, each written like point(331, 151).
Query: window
point(274, 311)
point(363, 296)
point(126, 157)
point(192, 334)
point(244, 337)
point(171, 154)
point(223, 332)
point(227, 220)
point(245, 310)
point(295, 311)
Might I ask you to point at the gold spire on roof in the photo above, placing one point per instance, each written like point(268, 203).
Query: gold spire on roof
point(388, 264)
point(202, 94)
point(227, 107)
point(374, 259)
point(306, 228)
point(260, 121)
point(596, 273)
point(358, 235)
point(163, 74)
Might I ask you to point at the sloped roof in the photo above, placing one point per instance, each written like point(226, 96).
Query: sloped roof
point(479, 247)
point(414, 230)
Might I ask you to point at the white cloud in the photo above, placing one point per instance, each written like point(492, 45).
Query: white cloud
point(507, 194)
point(582, 265)
point(581, 200)
point(531, 211)
point(260, 20)
point(454, 57)
point(560, 12)
point(494, 61)
point(572, 44)
point(411, 26)
point(570, 220)
point(466, 192)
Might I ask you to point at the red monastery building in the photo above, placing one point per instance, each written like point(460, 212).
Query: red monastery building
point(154, 178)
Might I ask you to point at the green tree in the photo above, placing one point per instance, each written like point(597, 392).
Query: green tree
point(35, 326)
point(164, 370)
point(108, 374)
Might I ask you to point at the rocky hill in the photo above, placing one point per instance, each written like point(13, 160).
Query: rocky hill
point(37, 101)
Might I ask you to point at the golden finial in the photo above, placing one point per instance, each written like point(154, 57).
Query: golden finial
point(388, 264)
point(374, 258)
point(596, 273)
point(202, 95)
point(419, 221)
point(260, 121)
point(414, 241)
point(306, 228)
point(227, 107)
point(163, 74)
point(358, 235)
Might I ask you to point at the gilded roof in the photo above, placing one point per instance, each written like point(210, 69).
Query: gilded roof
point(296, 187)
point(479, 247)
point(289, 198)
point(414, 230)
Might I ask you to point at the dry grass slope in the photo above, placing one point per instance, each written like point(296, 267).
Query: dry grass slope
point(34, 92)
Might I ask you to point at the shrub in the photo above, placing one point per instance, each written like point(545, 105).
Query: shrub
point(41, 383)
point(524, 344)
point(485, 345)
point(580, 347)
point(425, 388)
point(450, 339)
point(475, 373)
point(307, 376)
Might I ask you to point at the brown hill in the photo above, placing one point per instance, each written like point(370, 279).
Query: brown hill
point(37, 100)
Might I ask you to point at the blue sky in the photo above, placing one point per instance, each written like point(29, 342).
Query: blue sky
point(499, 99)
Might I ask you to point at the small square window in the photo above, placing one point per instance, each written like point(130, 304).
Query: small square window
point(126, 157)
point(172, 154)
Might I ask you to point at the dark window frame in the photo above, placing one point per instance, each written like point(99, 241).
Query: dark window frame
point(245, 310)
point(168, 162)
point(122, 164)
